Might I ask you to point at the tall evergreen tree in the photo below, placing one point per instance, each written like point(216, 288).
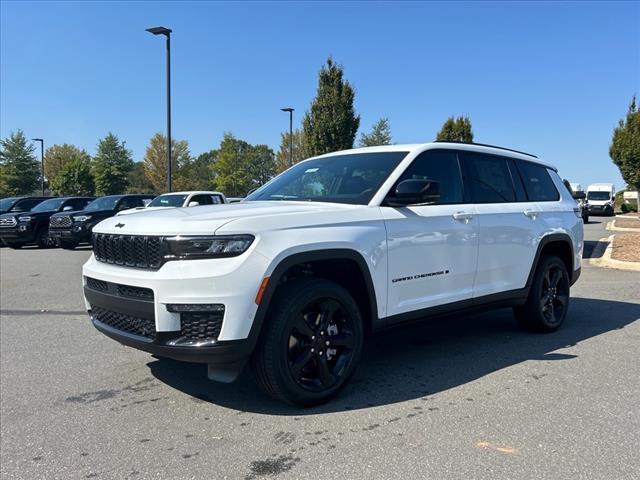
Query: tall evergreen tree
point(241, 167)
point(57, 156)
point(155, 163)
point(19, 167)
point(111, 166)
point(380, 134)
point(456, 130)
point(282, 157)
point(74, 178)
point(331, 122)
point(625, 146)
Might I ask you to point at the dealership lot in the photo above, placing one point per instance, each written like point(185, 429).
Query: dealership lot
point(467, 397)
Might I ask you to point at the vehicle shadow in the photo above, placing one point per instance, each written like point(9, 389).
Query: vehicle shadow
point(419, 360)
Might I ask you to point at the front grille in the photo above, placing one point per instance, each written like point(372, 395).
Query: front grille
point(96, 284)
point(140, 293)
point(128, 250)
point(128, 291)
point(143, 327)
point(204, 326)
point(8, 222)
point(60, 221)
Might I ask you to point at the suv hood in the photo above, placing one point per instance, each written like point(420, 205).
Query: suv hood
point(71, 213)
point(140, 209)
point(205, 220)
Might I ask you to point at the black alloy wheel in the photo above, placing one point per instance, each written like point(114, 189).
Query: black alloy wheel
point(554, 297)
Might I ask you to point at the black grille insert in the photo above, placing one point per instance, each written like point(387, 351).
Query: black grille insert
point(95, 284)
point(143, 327)
point(128, 291)
point(201, 326)
point(128, 250)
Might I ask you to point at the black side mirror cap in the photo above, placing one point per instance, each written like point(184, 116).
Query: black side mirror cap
point(412, 191)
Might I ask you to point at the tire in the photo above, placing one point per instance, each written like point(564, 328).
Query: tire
point(294, 360)
point(43, 240)
point(67, 244)
point(585, 219)
point(548, 301)
point(15, 245)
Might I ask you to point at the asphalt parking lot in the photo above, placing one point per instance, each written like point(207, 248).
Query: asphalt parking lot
point(465, 398)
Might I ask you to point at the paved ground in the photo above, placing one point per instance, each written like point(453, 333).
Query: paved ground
point(467, 398)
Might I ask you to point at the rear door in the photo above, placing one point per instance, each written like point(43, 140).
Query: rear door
point(507, 223)
point(432, 249)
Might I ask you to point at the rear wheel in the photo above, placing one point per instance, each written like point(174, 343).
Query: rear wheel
point(311, 343)
point(43, 240)
point(67, 244)
point(548, 301)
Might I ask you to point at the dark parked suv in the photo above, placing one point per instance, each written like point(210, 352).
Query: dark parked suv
point(19, 229)
point(19, 204)
point(73, 228)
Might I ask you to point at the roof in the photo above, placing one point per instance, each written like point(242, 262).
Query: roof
point(191, 192)
point(419, 147)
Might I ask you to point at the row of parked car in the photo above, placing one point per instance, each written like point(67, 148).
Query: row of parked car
point(68, 221)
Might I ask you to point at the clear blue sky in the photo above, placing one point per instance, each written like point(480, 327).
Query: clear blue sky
point(550, 78)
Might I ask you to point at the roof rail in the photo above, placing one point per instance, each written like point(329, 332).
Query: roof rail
point(487, 145)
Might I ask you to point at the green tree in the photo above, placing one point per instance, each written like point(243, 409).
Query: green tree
point(331, 123)
point(625, 146)
point(20, 168)
point(57, 156)
point(201, 172)
point(380, 134)
point(74, 178)
point(282, 157)
point(241, 167)
point(155, 163)
point(456, 130)
point(137, 180)
point(111, 166)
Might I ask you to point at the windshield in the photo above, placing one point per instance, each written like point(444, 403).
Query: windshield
point(352, 178)
point(168, 201)
point(103, 203)
point(5, 203)
point(48, 205)
point(598, 196)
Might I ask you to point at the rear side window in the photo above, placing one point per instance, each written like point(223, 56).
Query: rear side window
point(26, 205)
point(440, 166)
point(537, 182)
point(488, 178)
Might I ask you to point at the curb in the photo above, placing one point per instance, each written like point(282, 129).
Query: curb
point(610, 226)
point(606, 261)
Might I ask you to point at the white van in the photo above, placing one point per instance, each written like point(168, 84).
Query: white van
point(601, 197)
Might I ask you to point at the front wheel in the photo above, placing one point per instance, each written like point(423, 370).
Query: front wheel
point(548, 301)
point(43, 240)
point(310, 344)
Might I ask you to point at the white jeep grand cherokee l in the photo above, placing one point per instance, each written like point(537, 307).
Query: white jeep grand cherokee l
point(338, 246)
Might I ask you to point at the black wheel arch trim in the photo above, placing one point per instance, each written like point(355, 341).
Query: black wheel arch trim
point(544, 241)
point(313, 256)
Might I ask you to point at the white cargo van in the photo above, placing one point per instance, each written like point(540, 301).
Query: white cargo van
point(601, 197)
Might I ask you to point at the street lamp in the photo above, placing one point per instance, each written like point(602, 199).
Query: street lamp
point(41, 162)
point(290, 110)
point(167, 33)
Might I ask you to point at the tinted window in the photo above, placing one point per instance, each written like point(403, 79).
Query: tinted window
point(168, 201)
point(26, 205)
point(439, 166)
point(521, 195)
point(131, 202)
point(48, 205)
point(537, 182)
point(202, 199)
point(488, 178)
point(5, 203)
point(352, 178)
point(103, 203)
point(598, 195)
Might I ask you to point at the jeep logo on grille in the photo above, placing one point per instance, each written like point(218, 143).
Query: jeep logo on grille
point(119, 225)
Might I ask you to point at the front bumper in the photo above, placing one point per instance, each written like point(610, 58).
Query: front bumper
point(19, 233)
point(76, 233)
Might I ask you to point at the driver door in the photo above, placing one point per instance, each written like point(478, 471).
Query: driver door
point(432, 248)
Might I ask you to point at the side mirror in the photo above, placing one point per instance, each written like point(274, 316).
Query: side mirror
point(193, 204)
point(68, 208)
point(417, 191)
point(579, 195)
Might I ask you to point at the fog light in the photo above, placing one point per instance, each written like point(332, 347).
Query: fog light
point(195, 307)
point(77, 228)
point(22, 228)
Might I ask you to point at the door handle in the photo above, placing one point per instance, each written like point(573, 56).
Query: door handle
point(463, 216)
point(531, 213)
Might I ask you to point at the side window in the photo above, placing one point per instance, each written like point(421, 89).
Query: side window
point(537, 182)
point(521, 196)
point(439, 166)
point(26, 205)
point(131, 202)
point(217, 199)
point(488, 178)
point(202, 199)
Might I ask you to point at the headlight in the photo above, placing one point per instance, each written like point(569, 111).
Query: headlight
point(26, 218)
point(82, 218)
point(184, 248)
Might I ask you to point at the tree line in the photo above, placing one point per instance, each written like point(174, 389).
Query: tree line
point(236, 166)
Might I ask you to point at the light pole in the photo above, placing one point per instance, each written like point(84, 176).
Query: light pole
point(290, 110)
point(41, 162)
point(167, 33)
